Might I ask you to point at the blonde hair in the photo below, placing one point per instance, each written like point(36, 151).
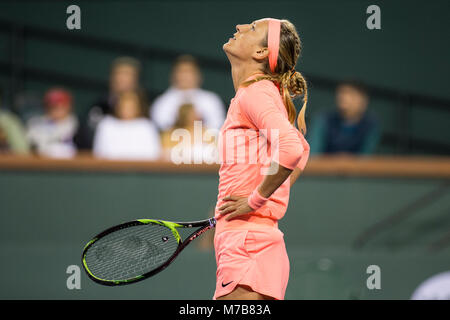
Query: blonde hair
point(126, 61)
point(134, 95)
point(183, 113)
point(292, 84)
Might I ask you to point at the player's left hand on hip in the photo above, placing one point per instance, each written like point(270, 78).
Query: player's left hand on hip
point(235, 206)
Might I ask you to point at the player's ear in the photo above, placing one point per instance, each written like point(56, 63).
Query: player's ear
point(261, 53)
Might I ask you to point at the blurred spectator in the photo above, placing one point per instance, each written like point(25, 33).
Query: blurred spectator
point(194, 143)
point(12, 133)
point(124, 76)
point(52, 134)
point(437, 287)
point(27, 104)
point(185, 88)
point(351, 128)
point(127, 134)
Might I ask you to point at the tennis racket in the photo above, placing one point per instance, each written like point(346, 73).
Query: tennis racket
point(136, 250)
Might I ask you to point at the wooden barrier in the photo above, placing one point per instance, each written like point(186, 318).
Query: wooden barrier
point(378, 166)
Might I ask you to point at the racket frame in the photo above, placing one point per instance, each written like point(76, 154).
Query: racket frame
point(204, 225)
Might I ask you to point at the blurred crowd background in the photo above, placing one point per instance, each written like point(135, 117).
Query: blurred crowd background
point(119, 92)
point(136, 71)
point(123, 124)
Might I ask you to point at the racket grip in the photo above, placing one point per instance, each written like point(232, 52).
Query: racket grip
point(212, 222)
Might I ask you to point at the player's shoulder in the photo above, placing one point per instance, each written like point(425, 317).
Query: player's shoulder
point(258, 91)
point(263, 84)
point(262, 87)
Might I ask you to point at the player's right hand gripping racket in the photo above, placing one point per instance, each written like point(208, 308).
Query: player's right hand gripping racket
point(136, 250)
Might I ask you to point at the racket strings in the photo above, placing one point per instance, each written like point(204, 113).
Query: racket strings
point(130, 252)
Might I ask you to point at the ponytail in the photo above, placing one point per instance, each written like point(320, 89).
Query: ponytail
point(293, 85)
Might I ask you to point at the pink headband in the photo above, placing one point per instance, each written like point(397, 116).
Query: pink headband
point(273, 40)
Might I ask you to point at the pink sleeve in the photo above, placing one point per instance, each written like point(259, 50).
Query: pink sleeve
point(260, 106)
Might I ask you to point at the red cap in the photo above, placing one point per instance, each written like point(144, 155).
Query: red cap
point(57, 97)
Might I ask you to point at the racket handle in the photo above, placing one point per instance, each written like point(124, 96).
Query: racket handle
point(212, 222)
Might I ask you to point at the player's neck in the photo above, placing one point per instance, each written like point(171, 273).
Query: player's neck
point(241, 72)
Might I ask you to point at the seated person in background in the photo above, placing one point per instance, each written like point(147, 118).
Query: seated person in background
point(185, 88)
point(188, 140)
point(350, 129)
point(124, 76)
point(52, 134)
point(12, 134)
point(127, 135)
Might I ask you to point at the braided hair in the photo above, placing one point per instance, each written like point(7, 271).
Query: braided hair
point(291, 83)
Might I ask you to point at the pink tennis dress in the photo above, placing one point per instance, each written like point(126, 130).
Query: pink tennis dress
point(250, 249)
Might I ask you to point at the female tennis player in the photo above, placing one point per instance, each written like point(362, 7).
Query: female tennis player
point(262, 154)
